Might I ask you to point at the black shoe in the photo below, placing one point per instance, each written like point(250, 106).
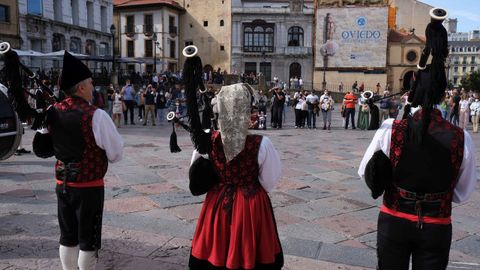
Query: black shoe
point(324, 127)
point(133, 123)
point(354, 128)
point(145, 123)
point(23, 151)
point(153, 124)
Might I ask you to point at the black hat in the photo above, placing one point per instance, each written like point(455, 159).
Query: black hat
point(73, 72)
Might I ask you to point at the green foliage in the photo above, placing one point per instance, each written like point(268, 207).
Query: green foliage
point(471, 81)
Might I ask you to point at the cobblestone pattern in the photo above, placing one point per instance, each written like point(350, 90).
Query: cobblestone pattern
point(326, 218)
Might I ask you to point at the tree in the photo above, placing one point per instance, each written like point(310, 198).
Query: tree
point(471, 81)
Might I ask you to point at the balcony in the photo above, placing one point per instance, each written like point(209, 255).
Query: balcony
point(172, 30)
point(129, 30)
point(148, 30)
point(298, 51)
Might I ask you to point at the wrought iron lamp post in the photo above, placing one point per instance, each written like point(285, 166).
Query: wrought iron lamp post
point(114, 78)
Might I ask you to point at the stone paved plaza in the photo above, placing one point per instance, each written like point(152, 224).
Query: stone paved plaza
point(326, 218)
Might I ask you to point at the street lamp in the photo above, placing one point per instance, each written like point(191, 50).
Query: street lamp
point(114, 78)
point(327, 49)
point(154, 38)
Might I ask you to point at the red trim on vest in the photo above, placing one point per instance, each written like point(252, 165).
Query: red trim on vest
point(94, 183)
point(414, 218)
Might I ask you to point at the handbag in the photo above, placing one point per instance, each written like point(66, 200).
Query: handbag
point(202, 176)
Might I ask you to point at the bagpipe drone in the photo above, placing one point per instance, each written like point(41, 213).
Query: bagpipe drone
point(14, 108)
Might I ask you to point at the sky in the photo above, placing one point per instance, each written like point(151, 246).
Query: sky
point(466, 11)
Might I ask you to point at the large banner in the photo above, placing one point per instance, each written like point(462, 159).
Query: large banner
point(351, 37)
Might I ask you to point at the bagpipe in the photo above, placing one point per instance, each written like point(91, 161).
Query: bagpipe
point(200, 129)
point(202, 173)
point(13, 102)
point(428, 88)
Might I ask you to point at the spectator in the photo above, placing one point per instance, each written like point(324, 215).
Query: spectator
point(384, 107)
point(128, 94)
point(326, 105)
point(160, 102)
point(349, 101)
point(149, 98)
point(312, 102)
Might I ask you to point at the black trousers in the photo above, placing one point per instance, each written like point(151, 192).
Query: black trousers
point(350, 113)
point(277, 113)
point(399, 239)
point(80, 212)
point(130, 104)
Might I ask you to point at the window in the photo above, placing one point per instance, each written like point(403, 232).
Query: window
point(130, 48)
point(455, 80)
point(464, 60)
point(35, 7)
point(75, 45)
point(148, 48)
point(130, 27)
point(188, 43)
point(411, 56)
point(148, 24)
point(455, 69)
point(205, 23)
point(472, 69)
point(295, 36)
point(57, 10)
point(58, 42)
point(221, 23)
point(266, 70)
point(222, 48)
point(173, 49)
point(75, 12)
point(103, 14)
point(464, 69)
point(90, 15)
point(258, 37)
point(250, 67)
point(90, 47)
point(473, 60)
point(4, 13)
point(103, 49)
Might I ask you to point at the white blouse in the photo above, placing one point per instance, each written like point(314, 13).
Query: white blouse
point(467, 174)
point(269, 164)
point(107, 136)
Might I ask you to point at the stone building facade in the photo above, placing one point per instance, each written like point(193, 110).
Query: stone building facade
point(273, 38)
point(207, 24)
point(148, 31)
point(464, 58)
point(364, 27)
point(80, 26)
point(9, 29)
point(404, 50)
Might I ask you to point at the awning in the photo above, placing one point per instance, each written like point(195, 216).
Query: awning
point(59, 54)
point(29, 53)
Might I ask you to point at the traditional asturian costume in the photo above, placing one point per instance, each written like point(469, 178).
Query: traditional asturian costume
point(84, 140)
point(422, 163)
point(236, 228)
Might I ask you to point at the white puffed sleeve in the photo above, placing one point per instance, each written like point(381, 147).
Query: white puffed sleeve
point(468, 172)
point(269, 163)
point(106, 135)
point(381, 141)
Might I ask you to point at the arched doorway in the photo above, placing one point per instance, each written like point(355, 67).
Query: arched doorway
point(407, 80)
point(295, 71)
point(208, 69)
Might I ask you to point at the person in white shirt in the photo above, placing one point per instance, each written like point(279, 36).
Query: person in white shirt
point(475, 113)
point(326, 105)
point(84, 141)
point(312, 102)
point(464, 111)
